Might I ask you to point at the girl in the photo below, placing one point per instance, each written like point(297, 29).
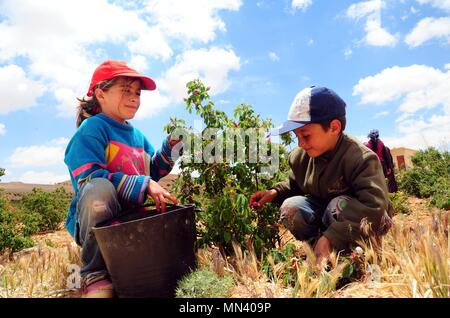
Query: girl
point(112, 165)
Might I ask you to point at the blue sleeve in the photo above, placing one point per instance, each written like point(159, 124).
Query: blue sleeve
point(85, 158)
point(161, 162)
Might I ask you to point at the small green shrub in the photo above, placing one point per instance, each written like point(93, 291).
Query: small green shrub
point(44, 211)
point(2, 201)
point(399, 202)
point(221, 185)
point(33, 222)
point(441, 196)
point(12, 236)
point(36, 212)
point(429, 177)
point(204, 283)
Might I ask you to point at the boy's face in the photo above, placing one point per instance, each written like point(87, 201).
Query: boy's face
point(315, 140)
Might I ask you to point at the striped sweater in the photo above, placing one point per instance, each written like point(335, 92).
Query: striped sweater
point(105, 148)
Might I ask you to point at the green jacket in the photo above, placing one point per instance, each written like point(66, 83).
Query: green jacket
point(350, 169)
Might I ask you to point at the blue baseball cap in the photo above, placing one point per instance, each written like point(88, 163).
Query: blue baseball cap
point(312, 105)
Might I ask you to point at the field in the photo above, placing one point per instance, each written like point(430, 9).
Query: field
point(414, 263)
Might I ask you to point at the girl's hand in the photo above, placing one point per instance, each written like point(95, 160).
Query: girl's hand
point(159, 195)
point(258, 199)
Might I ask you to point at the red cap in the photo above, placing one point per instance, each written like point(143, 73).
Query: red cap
point(110, 69)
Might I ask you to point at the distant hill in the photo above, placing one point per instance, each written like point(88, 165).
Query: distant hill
point(18, 188)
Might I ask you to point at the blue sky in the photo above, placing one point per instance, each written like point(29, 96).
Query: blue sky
point(389, 60)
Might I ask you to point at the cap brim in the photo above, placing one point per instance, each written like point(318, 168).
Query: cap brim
point(149, 84)
point(286, 127)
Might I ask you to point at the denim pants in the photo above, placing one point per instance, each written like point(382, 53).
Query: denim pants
point(306, 217)
point(97, 202)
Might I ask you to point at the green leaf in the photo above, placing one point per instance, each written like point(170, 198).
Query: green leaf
point(227, 237)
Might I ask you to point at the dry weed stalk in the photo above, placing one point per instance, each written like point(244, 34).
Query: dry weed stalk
point(38, 272)
point(415, 262)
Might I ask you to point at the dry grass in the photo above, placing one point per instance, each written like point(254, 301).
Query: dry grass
point(40, 271)
point(414, 263)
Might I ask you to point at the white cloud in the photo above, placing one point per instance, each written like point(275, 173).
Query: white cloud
point(310, 42)
point(440, 4)
point(49, 154)
point(362, 9)
point(428, 29)
point(348, 52)
point(418, 87)
point(301, 4)
point(376, 35)
point(415, 88)
point(55, 36)
point(17, 90)
point(62, 41)
point(190, 20)
point(152, 102)
point(2, 129)
point(153, 44)
point(273, 56)
point(420, 133)
point(381, 114)
point(139, 63)
point(43, 177)
point(62, 141)
point(67, 101)
point(211, 66)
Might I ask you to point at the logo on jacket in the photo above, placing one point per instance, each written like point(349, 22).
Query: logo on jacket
point(338, 186)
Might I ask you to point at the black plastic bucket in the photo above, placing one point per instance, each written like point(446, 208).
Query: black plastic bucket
point(146, 252)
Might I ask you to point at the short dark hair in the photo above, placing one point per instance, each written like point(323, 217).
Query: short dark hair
point(327, 124)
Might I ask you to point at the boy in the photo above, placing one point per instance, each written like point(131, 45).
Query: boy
point(336, 188)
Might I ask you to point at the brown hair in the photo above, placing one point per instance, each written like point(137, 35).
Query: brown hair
point(91, 106)
point(327, 124)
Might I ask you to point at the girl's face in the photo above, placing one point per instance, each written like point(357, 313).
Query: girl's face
point(121, 101)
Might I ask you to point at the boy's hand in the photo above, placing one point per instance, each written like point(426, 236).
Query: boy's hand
point(322, 250)
point(159, 195)
point(173, 141)
point(258, 199)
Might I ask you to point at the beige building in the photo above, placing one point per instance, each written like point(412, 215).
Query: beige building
point(402, 157)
